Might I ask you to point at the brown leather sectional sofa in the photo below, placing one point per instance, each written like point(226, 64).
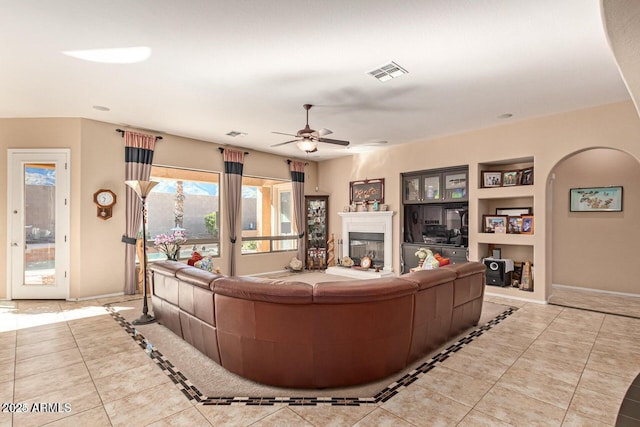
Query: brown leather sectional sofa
point(331, 334)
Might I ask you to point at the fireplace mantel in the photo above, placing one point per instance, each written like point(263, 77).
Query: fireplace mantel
point(370, 222)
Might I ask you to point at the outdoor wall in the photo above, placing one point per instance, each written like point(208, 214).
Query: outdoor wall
point(547, 139)
point(97, 161)
point(590, 248)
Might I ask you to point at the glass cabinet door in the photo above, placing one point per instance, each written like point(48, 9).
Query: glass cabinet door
point(316, 233)
point(431, 188)
point(412, 190)
point(455, 186)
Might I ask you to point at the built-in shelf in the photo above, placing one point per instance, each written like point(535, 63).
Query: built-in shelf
point(505, 192)
point(506, 239)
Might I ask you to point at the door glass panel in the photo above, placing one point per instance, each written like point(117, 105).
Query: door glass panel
point(40, 220)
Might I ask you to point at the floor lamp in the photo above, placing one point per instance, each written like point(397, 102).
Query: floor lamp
point(142, 189)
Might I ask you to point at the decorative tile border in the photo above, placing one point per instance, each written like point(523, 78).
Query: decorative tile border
point(192, 392)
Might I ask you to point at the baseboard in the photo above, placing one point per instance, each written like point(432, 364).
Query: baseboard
point(267, 272)
point(117, 294)
point(515, 298)
point(599, 291)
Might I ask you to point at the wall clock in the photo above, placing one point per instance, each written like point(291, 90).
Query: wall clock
point(105, 199)
point(365, 262)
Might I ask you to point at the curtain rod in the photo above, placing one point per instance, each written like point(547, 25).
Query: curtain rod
point(246, 153)
point(289, 162)
point(122, 134)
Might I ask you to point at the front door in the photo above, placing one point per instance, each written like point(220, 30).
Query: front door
point(38, 200)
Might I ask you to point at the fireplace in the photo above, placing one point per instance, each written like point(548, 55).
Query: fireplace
point(366, 234)
point(366, 244)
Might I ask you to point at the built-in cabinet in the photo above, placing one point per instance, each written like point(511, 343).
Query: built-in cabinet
point(317, 226)
point(436, 186)
point(435, 214)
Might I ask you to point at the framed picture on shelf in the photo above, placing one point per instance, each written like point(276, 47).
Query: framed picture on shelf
point(514, 225)
point(491, 179)
point(490, 222)
point(527, 224)
point(595, 199)
point(526, 176)
point(510, 178)
point(367, 191)
point(513, 211)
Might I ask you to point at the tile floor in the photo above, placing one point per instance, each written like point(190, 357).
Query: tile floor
point(543, 365)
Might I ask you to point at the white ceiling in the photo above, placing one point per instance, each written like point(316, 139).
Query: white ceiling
point(249, 66)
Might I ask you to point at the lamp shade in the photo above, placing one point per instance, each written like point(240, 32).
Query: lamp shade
point(142, 188)
point(307, 145)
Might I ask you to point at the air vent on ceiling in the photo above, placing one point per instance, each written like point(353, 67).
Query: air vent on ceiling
point(388, 72)
point(235, 133)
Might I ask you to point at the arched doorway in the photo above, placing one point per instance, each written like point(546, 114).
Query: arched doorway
point(595, 252)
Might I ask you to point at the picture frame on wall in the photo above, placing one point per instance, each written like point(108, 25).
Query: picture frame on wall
point(490, 222)
point(595, 199)
point(491, 179)
point(367, 191)
point(527, 224)
point(510, 178)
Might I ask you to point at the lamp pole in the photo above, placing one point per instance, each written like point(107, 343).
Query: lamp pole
point(142, 189)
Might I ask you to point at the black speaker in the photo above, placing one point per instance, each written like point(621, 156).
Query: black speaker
point(496, 274)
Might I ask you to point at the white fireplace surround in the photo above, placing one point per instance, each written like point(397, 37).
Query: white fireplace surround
point(369, 222)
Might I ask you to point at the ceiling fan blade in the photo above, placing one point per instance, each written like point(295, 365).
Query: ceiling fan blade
point(334, 141)
point(287, 142)
point(324, 131)
point(282, 133)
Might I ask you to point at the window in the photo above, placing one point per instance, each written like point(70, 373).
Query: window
point(185, 200)
point(267, 216)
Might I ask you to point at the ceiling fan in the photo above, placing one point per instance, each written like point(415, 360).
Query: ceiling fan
point(307, 138)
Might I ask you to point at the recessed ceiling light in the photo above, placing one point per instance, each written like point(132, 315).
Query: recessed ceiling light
point(101, 108)
point(124, 55)
point(505, 116)
point(388, 72)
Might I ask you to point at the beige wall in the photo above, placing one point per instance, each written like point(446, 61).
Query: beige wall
point(97, 161)
point(547, 139)
point(591, 249)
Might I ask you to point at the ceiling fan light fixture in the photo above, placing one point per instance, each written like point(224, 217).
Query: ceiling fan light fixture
point(307, 145)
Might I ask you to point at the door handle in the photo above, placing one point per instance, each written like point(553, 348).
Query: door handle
point(14, 244)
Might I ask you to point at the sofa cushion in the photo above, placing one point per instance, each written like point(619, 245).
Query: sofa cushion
point(197, 277)
point(267, 290)
point(465, 269)
point(362, 290)
point(425, 279)
point(167, 267)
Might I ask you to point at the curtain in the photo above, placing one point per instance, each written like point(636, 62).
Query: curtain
point(138, 156)
point(233, 164)
point(297, 184)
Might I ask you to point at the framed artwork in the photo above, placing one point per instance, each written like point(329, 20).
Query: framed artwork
point(367, 191)
point(491, 179)
point(526, 176)
point(510, 178)
point(527, 224)
point(513, 211)
point(595, 199)
point(514, 225)
point(490, 222)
